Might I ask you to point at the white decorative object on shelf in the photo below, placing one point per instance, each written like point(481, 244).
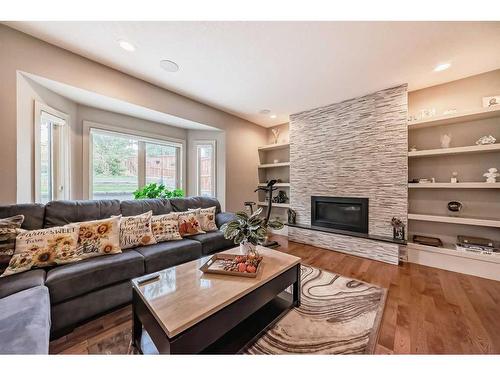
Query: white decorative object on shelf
point(490, 101)
point(413, 148)
point(491, 175)
point(454, 177)
point(276, 161)
point(276, 133)
point(445, 141)
point(451, 111)
point(486, 140)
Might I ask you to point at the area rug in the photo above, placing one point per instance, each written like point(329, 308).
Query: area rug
point(337, 315)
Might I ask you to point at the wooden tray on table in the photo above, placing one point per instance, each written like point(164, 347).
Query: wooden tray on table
point(221, 264)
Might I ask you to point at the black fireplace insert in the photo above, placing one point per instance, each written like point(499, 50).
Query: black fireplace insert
point(350, 214)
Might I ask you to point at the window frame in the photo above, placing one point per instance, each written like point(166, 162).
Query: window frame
point(141, 137)
point(213, 143)
point(63, 162)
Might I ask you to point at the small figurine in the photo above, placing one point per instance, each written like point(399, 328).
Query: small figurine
point(276, 134)
point(491, 175)
point(454, 177)
point(281, 197)
point(445, 141)
point(413, 148)
point(486, 140)
point(292, 215)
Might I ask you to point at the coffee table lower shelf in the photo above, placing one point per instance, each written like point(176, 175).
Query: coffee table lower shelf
point(228, 330)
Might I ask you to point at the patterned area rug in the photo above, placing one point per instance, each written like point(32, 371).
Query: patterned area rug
point(337, 315)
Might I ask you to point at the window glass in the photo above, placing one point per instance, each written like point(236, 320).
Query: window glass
point(206, 169)
point(114, 166)
point(161, 165)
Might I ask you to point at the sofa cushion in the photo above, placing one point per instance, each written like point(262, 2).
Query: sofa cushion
point(25, 322)
point(184, 204)
point(140, 206)
point(72, 280)
point(33, 214)
point(9, 229)
point(21, 281)
point(64, 212)
point(224, 217)
point(212, 242)
point(168, 254)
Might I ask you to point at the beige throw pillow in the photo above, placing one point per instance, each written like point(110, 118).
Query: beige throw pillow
point(206, 217)
point(136, 231)
point(99, 237)
point(44, 248)
point(189, 224)
point(166, 227)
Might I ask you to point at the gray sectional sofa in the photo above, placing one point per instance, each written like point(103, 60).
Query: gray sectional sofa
point(46, 303)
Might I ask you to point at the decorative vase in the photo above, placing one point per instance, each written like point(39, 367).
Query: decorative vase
point(249, 249)
point(398, 233)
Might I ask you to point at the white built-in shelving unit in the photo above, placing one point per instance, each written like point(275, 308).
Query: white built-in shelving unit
point(274, 162)
point(428, 214)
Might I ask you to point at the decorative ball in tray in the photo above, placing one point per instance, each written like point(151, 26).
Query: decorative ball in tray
point(232, 264)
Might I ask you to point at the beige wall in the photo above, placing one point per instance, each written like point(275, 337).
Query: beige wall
point(464, 94)
point(21, 52)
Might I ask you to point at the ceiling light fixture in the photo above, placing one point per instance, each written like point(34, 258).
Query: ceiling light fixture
point(169, 66)
point(441, 67)
point(264, 111)
point(127, 46)
point(273, 116)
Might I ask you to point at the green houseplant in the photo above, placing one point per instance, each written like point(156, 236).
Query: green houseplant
point(249, 231)
point(154, 190)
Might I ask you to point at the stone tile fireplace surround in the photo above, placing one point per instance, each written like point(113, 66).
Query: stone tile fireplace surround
point(356, 148)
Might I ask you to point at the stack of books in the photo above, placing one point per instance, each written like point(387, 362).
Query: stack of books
point(477, 245)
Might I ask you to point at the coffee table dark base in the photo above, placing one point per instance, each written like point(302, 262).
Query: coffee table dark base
point(228, 330)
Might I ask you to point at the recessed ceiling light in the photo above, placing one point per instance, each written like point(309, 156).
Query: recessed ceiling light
point(264, 111)
point(127, 46)
point(441, 67)
point(273, 116)
point(169, 66)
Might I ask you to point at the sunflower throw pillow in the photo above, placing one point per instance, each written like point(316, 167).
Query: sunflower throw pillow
point(10, 227)
point(136, 231)
point(166, 227)
point(44, 248)
point(189, 224)
point(99, 237)
point(206, 217)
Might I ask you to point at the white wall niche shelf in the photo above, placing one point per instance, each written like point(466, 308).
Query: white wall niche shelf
point(449, 249)
point(456, 220)
point(458, 185)
point(274, 165)
point(455, 150)
point(275, 146)
point(280, 205)
point(480, 114)
point(278, 184)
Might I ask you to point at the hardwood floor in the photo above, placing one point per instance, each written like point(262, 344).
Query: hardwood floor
point(428, 310)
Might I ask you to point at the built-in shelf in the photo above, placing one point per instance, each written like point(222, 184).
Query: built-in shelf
point(281, 184)
point(455, 150)
point(456, 220)
point(282, 205)
point(459, 185)
point(481, 114)
point(276, 146)
point(275, 165)
point(449, 249)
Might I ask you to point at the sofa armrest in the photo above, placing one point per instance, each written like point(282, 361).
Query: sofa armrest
point(223, 218)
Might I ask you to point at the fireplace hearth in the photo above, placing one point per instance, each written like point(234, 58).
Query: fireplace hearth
point(342, 213)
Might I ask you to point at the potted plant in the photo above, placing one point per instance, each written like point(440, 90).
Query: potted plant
point(154, 190)
point(398, 229)
point(249, 231)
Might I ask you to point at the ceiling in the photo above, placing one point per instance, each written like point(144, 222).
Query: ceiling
point(286, 67)
point(92, 99)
